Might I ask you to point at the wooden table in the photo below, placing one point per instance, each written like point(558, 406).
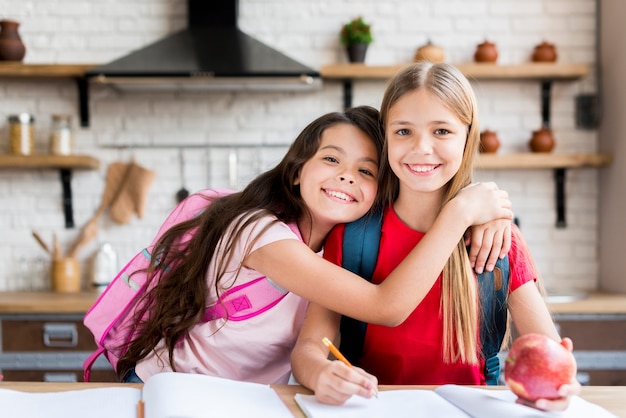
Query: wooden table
point(612, 398)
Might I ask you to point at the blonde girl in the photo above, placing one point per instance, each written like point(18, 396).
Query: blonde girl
point(431, 122)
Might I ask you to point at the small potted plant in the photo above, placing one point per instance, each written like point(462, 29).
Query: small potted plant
point(356, 36)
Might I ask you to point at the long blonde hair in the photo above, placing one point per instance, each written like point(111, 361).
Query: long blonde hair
point(459, 303)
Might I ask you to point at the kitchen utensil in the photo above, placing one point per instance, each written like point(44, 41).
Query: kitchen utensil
point(87, 233)
point(486, 52)
point(117, 175)
point(489, 142)
point(41, 242)
point(544, 52)
point(429, 52)
point(182, 193)
point(56, 247)
point(542, 140)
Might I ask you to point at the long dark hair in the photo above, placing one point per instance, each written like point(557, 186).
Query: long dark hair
point(177, 282)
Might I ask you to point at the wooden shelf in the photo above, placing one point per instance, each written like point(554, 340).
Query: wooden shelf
point(49, 161)
point(18, 69)
point(63, 163)
point(530, 71)
point(541, 160)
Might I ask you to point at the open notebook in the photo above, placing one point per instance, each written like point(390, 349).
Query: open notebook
point(448, 401)
point(165, 395)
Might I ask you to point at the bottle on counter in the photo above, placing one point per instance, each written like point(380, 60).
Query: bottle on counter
point(61, 137)
point(104, 267)
point(21, 134)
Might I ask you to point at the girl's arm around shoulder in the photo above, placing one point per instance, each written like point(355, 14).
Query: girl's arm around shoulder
point(293, 266)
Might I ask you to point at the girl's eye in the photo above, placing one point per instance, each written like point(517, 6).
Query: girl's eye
point(442, 132)
point(402, 132)
point(331, 159)
point(367, 172)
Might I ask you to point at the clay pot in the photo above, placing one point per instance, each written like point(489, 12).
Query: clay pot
point(544, 52)
point(11, 46)
point(489, 142)
point(542, 140)
point(486, 52)
point(429, 52)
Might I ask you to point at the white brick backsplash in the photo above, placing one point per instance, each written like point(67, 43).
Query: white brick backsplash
point(151, 127)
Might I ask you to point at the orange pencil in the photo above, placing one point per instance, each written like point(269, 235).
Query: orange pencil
point(336, 352)
point(341, 358)
point(140, 409)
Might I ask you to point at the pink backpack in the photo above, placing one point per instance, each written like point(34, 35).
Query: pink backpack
point(111, 318)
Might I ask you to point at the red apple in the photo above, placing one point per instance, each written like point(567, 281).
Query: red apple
point(537, 366)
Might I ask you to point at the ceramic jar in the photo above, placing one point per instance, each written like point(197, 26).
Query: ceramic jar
point(486, 52)
point(489, 142)
point(542, 140)
point(429, 52)
point(544, 52)
point(11, 46)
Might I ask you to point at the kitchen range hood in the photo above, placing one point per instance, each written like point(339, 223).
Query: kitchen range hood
point(212, 53)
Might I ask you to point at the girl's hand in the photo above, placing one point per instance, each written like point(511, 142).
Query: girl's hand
point(484, 202)
point(488, 242)
point(566, 391)
point(336, 383)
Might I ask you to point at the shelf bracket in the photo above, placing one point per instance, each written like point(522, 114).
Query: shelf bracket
point(546, 91)
point(347, 93)
point(66, 183)
point(83, 100)
point(559, 181)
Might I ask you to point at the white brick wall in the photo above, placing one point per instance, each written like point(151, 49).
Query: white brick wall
point(69, 31)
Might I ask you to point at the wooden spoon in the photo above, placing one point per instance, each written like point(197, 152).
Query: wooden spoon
point(41, 242)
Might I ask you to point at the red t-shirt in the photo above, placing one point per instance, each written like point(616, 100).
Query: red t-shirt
point(412, 353)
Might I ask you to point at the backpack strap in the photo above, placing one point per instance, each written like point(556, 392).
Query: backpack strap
point(360, 246)
point(360, 250)
point(493, 287)
point(361, 241)
point(249, 299)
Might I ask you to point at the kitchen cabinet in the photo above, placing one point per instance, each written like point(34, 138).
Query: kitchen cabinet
point(43, 338)
point(597, 326)
point(64, 163)
point(544, 73)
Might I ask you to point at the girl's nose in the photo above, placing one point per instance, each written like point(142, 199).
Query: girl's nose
point(422, 145)
point(347, 178)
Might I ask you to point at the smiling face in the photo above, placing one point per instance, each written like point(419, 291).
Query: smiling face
point(425, 142)
point(339, 183)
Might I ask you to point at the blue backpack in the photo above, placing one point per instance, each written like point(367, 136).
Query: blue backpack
point(360, 253)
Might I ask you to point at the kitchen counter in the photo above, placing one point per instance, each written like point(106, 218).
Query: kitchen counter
point(50, 302)
point(46, 302)
point(594, 303)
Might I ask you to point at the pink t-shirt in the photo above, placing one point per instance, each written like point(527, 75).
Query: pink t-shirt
point(256, 349)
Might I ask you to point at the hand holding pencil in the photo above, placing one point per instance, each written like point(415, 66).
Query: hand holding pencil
point(373, 388)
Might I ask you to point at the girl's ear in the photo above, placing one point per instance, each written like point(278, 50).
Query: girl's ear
point(296, 181)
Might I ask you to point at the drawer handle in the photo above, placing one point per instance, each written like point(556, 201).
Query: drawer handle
point(60, 377)
point(60, 335)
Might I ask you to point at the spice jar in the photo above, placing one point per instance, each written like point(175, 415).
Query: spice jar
point(61, 140)
point(22, 134)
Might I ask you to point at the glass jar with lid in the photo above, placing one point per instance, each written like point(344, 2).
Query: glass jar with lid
point(21, 134)
point(61, 137)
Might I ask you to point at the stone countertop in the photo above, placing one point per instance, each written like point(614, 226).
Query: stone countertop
point(79, 303)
